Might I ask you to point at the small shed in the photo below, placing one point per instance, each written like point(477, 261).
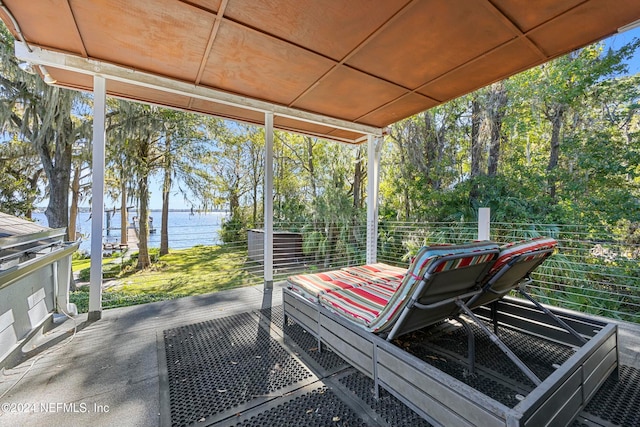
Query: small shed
point(287, 247)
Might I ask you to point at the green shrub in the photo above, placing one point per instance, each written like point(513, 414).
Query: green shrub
point(85, 274)
point(77, 255)
point(233, 230)
point(114, 298)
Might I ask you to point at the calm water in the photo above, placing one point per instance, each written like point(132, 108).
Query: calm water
point(185, 230)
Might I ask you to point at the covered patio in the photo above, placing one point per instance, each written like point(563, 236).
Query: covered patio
point(334, 70)
point(343, 71)
point(118, 371)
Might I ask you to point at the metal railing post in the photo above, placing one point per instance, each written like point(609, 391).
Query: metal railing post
point(484, 224)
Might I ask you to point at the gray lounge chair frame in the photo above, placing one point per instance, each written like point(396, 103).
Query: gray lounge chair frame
point(514, 275)
point(439, 293)
point(444, 400)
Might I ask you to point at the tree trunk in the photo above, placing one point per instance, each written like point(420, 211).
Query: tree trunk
point(434, 150)
point(124, 221)
point(255, 205)
point(73, 215)
point(166, 188)
point(498, 102)
point(406, 178)
point(143, 234)
point(311, 168)
point(33, 184)
point(312, 181)
point(256, 166)
point(58, 171)
point(331, 243)
point(75, 197)
point(254, 219)
point(358, 174)
point(358, 178)
point(234, 202)
point(476, 148)
point(554, 154)
point(57, 211)
point(164, 228)
point(407, 203)
point(143, 220)
point(57, 164)
point(277, 178)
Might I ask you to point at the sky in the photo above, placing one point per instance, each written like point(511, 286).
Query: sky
point(177, 200)
point(618, 40)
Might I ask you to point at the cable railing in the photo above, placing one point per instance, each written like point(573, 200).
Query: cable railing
point(308, 247)
point(594, 270)
point(399, 241)
point(234, 259)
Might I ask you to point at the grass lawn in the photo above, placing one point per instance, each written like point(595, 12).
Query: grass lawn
point(184, 272)
point(193, 271)
point(78, 264)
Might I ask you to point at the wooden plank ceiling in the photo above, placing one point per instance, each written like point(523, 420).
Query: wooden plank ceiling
point(367, 62)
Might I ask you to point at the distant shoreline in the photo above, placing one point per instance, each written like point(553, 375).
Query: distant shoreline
point(88, 210)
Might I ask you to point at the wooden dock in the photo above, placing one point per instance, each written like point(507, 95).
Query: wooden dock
point(132, 239)
point(130, 246)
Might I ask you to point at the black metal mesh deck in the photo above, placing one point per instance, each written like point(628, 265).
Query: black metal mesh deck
point(273, 314)
point(233, 371)
point(387, 406)
point(320, 408)
point(306, 342)
point(445, 347)
point(218, 366)
point(618, 400)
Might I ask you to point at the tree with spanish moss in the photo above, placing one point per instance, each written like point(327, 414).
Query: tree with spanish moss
point(47, 117)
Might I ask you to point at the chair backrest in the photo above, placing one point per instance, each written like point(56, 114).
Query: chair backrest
point(514, 264)
point(437, 274)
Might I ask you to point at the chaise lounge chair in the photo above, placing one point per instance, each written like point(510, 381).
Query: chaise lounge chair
point(358, 310)
point(384, 302)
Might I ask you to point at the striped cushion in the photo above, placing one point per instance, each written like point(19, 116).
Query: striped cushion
point(512, 250)
point(463, 262)
point(378, 272)
point(376, 306)
point(312, 285)
point(361, 304)
point(424, 262)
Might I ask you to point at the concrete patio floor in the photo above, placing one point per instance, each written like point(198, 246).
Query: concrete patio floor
point(110, 366)
point(109, 374)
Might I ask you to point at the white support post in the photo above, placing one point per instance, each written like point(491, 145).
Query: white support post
point(61, 271)
point(374, 145)
point(268, 200)
point(97, 196)
point(484, 224)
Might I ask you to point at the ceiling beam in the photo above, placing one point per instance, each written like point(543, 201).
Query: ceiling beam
point(65, 61)
point(212, 37)
point(75, 23)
